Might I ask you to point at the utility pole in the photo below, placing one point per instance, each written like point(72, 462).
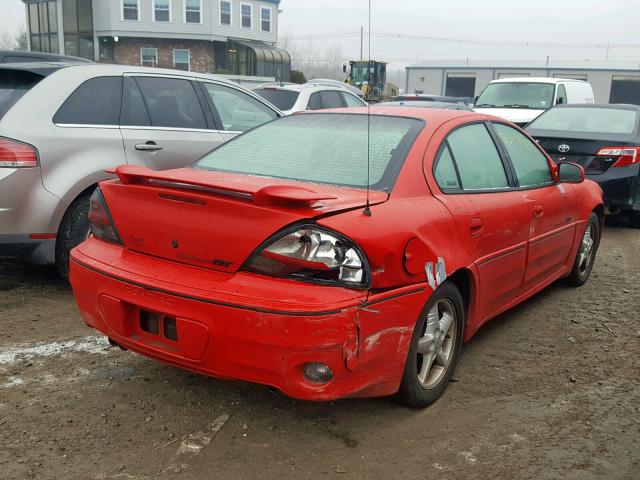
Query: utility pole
point(361, 43)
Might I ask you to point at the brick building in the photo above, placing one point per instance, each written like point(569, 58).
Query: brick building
point(234, 37)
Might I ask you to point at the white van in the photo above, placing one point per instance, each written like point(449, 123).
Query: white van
point(521, 100)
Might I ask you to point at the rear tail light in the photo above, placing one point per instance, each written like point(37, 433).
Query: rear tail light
point(623, 156)
point(17, 154)
point(102, 225)
point(314, 254)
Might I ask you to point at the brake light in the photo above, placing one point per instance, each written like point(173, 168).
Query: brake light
point(314, 254)
point(102, 225)
point(624, 156)
point(17, 155)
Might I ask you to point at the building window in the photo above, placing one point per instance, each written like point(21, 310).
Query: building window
point(192, 11)
point(130, 10)
point(149, 57)
point(161, 10)
point(265, 19)
point(247, 11)
point(43, 26)
point(182, 59)
point(77, 25)
point(225, 13)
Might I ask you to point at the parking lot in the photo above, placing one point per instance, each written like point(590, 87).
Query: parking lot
point(549, 390)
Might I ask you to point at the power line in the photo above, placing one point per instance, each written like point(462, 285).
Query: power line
point(461, 40)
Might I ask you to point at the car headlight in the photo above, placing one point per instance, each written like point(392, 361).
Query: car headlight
point(314, 254)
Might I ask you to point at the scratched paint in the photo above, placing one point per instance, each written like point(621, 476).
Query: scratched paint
point(373, 340)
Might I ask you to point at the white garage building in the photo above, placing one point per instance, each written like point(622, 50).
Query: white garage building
point(612, 83)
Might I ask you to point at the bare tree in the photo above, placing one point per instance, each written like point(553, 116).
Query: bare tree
point(12, 40)
point(312, 61)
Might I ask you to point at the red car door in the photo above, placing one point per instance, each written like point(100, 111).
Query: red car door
point(492, 217)
point(552, 207)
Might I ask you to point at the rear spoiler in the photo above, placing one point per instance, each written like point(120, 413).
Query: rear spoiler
point(224, 184)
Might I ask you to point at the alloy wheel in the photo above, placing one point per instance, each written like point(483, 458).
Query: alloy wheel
point(437, 343)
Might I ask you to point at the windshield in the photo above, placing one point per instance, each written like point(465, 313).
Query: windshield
point(328, 148)
point(283, 99)
point(360, 73)
point(538, 96)
point(13, 85)
point(588, 120)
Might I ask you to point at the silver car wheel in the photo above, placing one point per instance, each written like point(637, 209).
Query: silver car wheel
point(586, 252)
point(437, 343)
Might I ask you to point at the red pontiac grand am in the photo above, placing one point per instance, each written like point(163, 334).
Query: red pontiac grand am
point(268, 261)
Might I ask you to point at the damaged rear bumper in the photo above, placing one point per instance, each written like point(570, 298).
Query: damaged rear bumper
point(249, 327)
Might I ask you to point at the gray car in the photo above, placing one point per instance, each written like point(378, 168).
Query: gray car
point(63, 124)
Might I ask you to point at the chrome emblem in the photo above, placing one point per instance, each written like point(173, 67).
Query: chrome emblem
point(564, 148)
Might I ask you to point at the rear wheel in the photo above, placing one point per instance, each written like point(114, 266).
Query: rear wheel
point(73, 230)
point(435, 348)
point(634, 219)
point(586, 255)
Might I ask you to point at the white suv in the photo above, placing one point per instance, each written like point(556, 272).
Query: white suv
point(309, 96)
point(522, 100)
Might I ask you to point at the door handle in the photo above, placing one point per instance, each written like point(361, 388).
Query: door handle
point(476, 226)
point(149, 146)
point(538, 211)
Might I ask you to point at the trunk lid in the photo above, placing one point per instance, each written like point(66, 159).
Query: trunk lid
point(213, 219)
point(581, 151)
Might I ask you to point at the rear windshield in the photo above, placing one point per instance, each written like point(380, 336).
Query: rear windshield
point(537, 96)
point(13, 85)
point(329, 148)
point(283, 99)
point(588, 120)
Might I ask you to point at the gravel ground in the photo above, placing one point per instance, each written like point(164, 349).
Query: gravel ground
point(549, 390)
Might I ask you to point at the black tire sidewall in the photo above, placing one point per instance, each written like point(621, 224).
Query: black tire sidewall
point(73, 231)
point(575, 278)
point(411, 392)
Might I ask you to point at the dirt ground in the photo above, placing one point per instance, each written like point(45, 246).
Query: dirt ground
point(550, 390)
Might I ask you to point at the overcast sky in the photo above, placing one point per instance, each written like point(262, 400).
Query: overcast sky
point(539, 21)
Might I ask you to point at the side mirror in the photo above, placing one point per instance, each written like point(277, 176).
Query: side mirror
point(570, 173)
point(560, 101)
point(344, 69)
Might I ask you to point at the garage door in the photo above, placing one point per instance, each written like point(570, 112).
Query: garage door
point(460, 85)
point(625, 90)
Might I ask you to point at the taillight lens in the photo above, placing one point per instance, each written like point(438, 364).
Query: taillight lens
point(623, 156)
point(102, 225)
point(311, 253)
point(17, 155)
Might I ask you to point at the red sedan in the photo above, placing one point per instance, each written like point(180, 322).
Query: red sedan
point(270, 261)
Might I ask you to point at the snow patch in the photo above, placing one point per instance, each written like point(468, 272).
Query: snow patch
point(95, 344)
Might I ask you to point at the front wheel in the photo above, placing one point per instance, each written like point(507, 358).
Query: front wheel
point(435, 348)
point(586, 255)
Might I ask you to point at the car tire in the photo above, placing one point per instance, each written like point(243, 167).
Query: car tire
point(586, 254)
point(634, 219)
point(73, 230)
point(419, 389)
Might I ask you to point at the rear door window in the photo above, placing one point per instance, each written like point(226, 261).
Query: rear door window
point(172, 103)
point(477, 158)
point(531, 166)
point(332, 99)
point(238, 111)
point(13, 85)
point(326, 99)
point(95, 102)
point(134, 110)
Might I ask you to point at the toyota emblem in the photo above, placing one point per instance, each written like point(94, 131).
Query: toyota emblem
point(564, 148)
